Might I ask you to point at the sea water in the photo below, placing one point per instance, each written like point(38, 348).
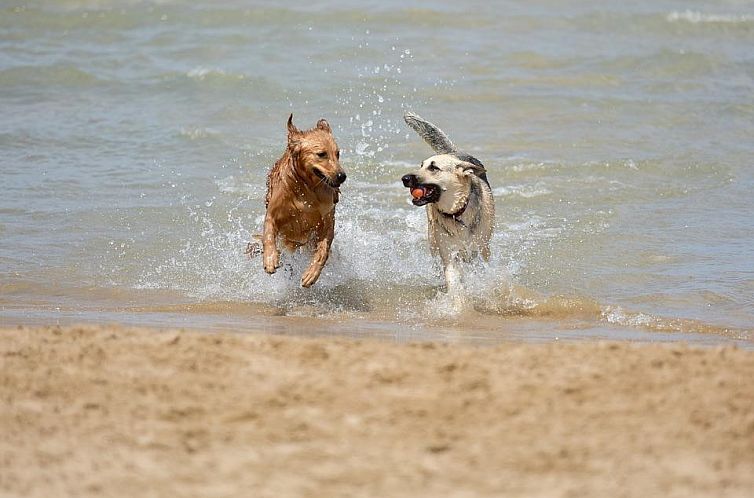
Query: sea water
point(618, 137)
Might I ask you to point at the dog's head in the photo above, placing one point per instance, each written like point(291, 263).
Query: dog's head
point(315, 154)
point(444, 179)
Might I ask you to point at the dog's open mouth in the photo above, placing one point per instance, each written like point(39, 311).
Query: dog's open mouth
point(424, 193)
point(324, 178)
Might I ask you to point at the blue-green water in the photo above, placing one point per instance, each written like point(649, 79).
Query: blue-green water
point(136, 137)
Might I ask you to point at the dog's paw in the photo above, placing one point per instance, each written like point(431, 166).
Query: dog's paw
point(310, 276)
point(271, 262)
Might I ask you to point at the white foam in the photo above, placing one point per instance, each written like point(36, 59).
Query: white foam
point(376, 251)
point(233, 185)
point(618, 316)
point(198, 133)
point(695, 17)
point(525, 191)
point(201, 73)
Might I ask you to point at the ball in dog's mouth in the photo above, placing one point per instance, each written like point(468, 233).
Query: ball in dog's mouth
point(423, 194)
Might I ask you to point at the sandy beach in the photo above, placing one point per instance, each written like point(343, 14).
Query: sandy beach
point(114, 411)
point(604, 349)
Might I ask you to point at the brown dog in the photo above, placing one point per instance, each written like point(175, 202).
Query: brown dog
point(302, 190)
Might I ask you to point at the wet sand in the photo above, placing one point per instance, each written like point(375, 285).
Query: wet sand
point(114, 411)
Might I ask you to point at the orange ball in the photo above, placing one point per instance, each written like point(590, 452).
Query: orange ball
point(417, 192)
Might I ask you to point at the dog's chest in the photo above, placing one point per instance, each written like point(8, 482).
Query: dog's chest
point(452, 234)
point(304, 216)
point(314, 208)
point(301, 223)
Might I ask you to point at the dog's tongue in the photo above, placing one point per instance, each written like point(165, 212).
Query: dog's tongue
point(417, 192)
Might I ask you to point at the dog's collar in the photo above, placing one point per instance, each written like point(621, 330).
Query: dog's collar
point(457, 215)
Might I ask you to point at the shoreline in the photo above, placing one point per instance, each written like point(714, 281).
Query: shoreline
point(468, 327)
point(121, 411)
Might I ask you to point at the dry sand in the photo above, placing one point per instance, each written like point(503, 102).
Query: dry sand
point(110, 411)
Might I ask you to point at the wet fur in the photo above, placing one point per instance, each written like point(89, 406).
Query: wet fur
point(461, 220)
point(302, 191)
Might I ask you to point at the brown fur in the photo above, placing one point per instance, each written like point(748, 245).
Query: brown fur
point(302, 190)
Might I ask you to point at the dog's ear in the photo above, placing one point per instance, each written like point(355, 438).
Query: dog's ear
point(466, 168)
point(323, 125)
point(293, 132)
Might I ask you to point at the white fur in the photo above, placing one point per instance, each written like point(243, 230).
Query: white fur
point(462, 238)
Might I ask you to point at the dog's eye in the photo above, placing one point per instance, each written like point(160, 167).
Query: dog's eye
point(322, 155)
point(432, 167)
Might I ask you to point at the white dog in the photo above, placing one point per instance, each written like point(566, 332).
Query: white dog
point(460, 209)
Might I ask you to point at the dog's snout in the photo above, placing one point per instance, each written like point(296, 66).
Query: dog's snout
point(408, 180)
point(340, 178)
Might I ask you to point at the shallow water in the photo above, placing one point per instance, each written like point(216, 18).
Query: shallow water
point(136, 137)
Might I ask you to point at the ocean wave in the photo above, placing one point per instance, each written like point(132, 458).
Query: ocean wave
point(537, 167)
point(695, 17)
point(224, 80)
point(525, 191)
point(233, 185)
point(201, 73)
point(616, 315)
point(57, 75)
point(198, 133)
point(393, 163)
point(665, 64)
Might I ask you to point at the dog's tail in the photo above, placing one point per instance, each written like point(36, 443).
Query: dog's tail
point(431, 134)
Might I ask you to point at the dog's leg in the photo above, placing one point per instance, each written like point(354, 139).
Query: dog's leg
point(453, 277)
point(270, 253)
point(319, 259)
point(455, 289)
point(321, 252)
